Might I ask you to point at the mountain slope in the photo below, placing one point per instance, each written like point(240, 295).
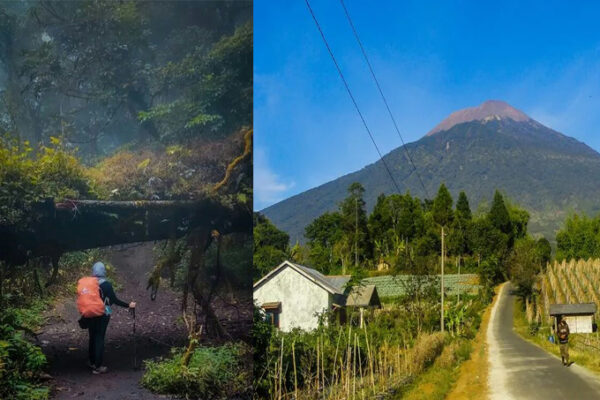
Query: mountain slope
point(548, 173)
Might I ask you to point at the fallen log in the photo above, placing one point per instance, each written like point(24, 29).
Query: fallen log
point(72, 225)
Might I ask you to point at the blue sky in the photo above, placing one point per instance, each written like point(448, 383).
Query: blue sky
point(431, 58)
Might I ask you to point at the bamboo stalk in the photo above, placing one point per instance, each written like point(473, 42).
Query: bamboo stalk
point(369, 355)
point(354, 369)
point(281, 371)
point(295, 376)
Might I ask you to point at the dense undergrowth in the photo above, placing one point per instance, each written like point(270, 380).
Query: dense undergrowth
point(219, 372)
point(21, 362)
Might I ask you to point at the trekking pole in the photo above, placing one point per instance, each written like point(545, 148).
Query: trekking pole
point(132, 310)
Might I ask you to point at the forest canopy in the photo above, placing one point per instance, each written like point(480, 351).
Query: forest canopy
point(100, 74)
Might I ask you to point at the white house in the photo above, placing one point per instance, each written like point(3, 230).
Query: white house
point(293, 295)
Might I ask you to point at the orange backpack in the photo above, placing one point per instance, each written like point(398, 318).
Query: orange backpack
point(89, 302)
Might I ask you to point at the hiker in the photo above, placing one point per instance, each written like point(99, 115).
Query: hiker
point(563, 340)
point(98, 323)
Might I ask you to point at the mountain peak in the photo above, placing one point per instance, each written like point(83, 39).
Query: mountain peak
point(489, 109)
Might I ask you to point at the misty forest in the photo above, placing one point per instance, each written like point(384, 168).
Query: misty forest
point(126, 137)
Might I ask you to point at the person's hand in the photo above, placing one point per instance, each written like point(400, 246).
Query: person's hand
point(132, 304)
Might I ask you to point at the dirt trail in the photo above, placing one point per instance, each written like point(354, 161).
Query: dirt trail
point(157, 327)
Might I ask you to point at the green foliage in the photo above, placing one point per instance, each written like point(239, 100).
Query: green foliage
point(579, 238)
point(262, 331)
point(213, 373)
point(21, 362)
point(358, 246)
point(270, 245)
point(27, 177)
point(404, 233)
point(463, 210)
point(323, 234)
point(499, 217)
point(442, 207)
point(107, 73)
point(526, 263)
point(544, 251)
point(212, 86)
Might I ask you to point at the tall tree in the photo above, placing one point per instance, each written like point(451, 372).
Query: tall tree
point(354, 223)
point(323, 234)
point(442, 207)
point(381, 226)
point(544, 251)
point(463, 210)
point(499, 216)
point(271, 245)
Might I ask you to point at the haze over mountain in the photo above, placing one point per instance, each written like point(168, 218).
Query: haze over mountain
point(479, 149)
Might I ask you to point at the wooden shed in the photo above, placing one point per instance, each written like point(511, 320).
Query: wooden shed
point(363, 297)
point(579, 317)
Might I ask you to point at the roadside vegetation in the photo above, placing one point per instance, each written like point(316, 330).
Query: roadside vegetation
point(386, 357)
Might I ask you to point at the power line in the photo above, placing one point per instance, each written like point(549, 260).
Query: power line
point(350, 94)
point(362, 49)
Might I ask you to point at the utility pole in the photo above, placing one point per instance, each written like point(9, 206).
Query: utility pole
point(442, 308)
point(459, 281)
point(356, 232)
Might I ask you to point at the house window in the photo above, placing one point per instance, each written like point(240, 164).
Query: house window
point(272, 312)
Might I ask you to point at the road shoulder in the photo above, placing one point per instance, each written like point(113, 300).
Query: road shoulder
point(472, 382)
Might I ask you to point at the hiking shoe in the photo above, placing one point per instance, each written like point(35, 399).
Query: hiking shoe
point(91, 365)
point(100, 370)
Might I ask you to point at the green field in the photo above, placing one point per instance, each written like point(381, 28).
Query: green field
point(395, 285)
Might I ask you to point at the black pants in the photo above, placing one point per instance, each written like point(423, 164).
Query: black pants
point(97, 329)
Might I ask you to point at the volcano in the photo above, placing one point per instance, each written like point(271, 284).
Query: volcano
point(478, 150)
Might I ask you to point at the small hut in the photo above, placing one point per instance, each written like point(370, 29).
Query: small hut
point(579, 317)
point(363, 297)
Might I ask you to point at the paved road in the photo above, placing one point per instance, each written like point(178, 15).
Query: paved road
point(521, 370)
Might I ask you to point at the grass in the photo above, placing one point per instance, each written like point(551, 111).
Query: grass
point(436, 382)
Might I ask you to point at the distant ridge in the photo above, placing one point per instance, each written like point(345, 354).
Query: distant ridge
point(487, 110)
point(478, 150)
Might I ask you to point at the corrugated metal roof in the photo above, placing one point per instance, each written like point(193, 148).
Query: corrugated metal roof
point(334, 284)
point(338, 281)
point(571, 309)
point(363, 296)
point(395, 285)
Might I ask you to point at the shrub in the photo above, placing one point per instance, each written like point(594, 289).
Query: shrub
point(20, 361)
point(463, 350)
point(213, 373)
